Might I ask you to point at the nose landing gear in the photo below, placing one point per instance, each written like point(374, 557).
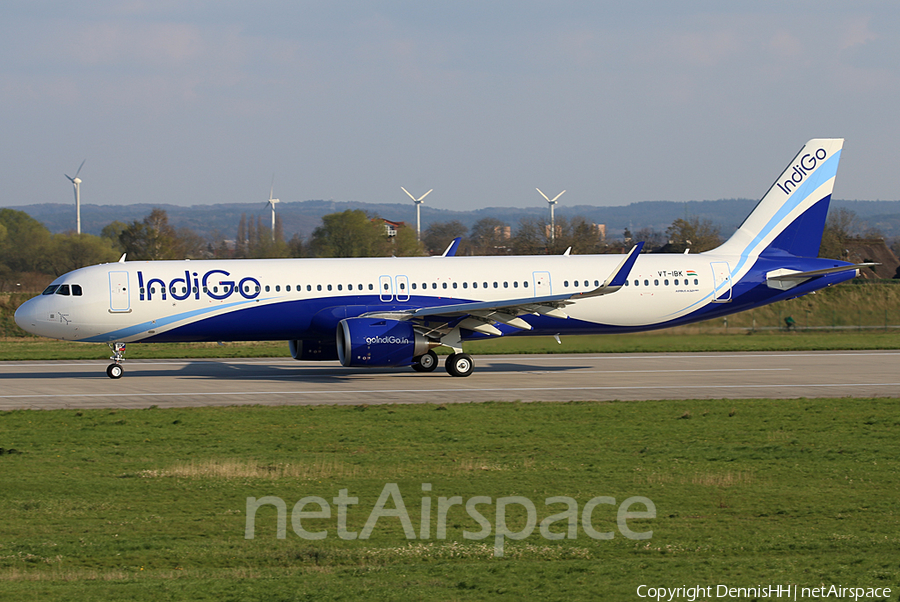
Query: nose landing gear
point(115, 370)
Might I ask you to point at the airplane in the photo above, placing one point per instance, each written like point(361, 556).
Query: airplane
point(393, 312)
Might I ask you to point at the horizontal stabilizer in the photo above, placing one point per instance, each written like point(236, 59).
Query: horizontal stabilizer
point(785, 279)
point(789, 275)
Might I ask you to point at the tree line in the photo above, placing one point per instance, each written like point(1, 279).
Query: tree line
point(30, 256)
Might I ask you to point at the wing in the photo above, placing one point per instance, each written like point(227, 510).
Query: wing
point(481, 316)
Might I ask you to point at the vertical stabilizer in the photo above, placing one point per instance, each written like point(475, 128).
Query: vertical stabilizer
point(791, 216)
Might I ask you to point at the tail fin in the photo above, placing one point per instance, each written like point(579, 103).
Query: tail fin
point(790, 217)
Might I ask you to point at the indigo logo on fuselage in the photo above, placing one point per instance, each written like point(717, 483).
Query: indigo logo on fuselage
point(388, 340)
point(192, 285)
point(801, 169)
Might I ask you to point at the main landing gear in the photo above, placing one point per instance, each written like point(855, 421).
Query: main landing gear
point(426, 362)
point(457, 364)
point(115, 370)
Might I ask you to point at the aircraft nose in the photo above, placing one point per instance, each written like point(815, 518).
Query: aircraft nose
point(26, 316)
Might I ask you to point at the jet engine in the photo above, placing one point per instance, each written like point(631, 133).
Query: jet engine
point(377, 342)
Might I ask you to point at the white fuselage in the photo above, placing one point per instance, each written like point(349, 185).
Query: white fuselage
point(136, 301)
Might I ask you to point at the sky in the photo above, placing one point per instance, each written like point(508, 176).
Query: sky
point(200, 102)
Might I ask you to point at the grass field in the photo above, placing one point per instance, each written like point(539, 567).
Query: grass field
point(151, 504)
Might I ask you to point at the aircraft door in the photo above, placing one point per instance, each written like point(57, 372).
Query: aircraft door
point(542, 284)
point(721, 282)
point(119, 301)
point(386, 288)
point(402, 288)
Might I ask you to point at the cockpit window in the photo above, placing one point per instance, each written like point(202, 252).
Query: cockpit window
point(50, 289)
point(63, 290)
point(76, 290)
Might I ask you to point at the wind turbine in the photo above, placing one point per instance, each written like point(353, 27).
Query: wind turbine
point(552, 217)
point(76, 182)
point(272, 203)
point(418, 202)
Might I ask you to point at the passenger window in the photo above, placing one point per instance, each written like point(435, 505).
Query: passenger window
point(666, 282)
point(329, 287)
point(637, 282)
point(676, 282)
point(371, 287)
point(465, 285)
point(455, 283)
point(445, 285)
point(434, 285)
point(525, 284)
point(484, 284)
point(656, 283)
point(474, 285)
point(413, 286)
point(63, 290)
point(696, 281)
point(287, 288)
point(495, 285)
point(402, 286)
point(318, 287)
point(566, 283)
point(340, 287)
point(506, 285)
point(646, 283)
point(626, 283)
point(515, 284)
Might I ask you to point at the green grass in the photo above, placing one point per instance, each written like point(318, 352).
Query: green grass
point(150, 504)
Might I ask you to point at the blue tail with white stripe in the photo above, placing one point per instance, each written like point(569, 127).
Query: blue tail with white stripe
point(790, 218)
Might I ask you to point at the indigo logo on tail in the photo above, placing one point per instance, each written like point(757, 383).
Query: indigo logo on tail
point(801, 169)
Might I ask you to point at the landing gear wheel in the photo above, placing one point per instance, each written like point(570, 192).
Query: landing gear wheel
point(426, 362)
point(460, 364)
point(115, 369)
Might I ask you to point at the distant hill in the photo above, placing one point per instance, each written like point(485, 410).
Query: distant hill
point(303, 216)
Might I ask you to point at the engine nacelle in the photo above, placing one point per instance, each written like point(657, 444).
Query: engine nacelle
point(313, 350)
point(377, 342)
